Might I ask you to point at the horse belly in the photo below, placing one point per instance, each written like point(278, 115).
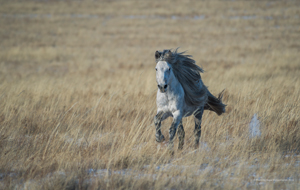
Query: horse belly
point(189, 110)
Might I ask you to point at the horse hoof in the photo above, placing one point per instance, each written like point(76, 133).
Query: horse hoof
point(160, 138)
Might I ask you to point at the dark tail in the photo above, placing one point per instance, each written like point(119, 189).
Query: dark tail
point(215, 104)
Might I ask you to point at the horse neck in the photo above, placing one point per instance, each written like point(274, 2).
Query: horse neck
point(174, 83)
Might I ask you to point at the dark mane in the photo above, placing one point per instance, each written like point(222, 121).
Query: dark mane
point(188, 74)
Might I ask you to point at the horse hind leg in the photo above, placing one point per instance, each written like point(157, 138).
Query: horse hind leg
point(198, 118)
point(181, 135)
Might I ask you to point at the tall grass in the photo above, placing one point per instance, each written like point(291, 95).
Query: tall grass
point(77, 95)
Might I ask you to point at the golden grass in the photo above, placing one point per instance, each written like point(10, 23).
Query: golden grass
point(77, 94)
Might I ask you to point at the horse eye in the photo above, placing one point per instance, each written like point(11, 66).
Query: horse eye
point(169, 69)
point(156, 69)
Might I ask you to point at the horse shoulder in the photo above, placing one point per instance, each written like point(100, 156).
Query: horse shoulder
point(176, 98)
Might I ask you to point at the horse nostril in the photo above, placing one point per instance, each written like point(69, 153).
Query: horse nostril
point(162, 88)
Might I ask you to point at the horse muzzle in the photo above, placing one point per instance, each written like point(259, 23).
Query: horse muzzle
point(162, 88)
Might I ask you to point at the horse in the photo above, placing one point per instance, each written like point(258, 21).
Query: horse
point(181, 93)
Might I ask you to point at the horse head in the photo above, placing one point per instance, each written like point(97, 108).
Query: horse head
point(163, 71)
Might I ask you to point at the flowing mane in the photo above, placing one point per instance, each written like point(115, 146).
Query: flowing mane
point(188, 74)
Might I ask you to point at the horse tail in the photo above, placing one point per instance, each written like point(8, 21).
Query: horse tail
point(215, 104)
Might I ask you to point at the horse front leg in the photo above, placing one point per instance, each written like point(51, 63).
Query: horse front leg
point(157, 122)
point(172, 131)
point(181, 135)
point(198, 118)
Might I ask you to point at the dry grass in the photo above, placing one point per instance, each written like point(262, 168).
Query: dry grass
point(77, 94)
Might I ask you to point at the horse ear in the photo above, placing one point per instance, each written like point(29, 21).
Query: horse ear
point(169, 53)
point(157, 54)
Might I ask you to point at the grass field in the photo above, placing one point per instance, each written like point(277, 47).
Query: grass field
point(78, 91)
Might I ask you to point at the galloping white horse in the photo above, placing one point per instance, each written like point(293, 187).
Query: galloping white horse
point(181, 93)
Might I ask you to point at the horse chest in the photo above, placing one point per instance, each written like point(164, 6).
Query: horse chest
point(169, 102)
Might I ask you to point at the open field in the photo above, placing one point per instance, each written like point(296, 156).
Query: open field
point(78, 90)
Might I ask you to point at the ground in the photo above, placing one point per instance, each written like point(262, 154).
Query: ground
point(77, 94)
